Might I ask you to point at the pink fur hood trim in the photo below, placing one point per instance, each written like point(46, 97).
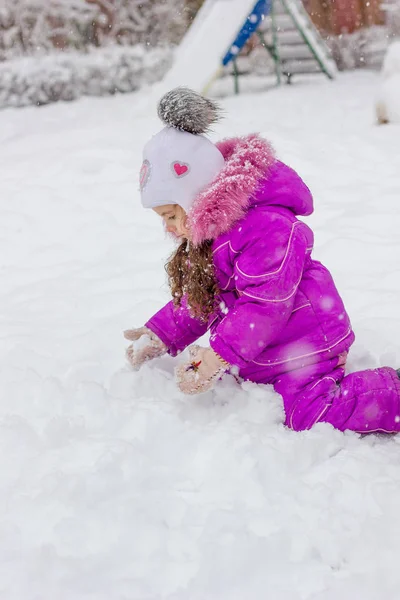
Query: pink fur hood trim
point(226, 199)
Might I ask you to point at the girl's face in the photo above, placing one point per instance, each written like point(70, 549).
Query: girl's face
point(175, 220)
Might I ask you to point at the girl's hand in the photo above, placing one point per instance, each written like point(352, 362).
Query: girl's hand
point(146, 346)
point(202, 372)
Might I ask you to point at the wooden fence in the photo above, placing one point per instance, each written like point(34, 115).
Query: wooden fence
point(344, 16)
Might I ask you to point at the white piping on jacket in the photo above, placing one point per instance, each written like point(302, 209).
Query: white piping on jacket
point(282, 263)
point(292, 293)
point(287, 360)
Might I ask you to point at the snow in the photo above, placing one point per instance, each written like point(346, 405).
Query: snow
point(388, 102)
point(143, 342)
point(113, 485)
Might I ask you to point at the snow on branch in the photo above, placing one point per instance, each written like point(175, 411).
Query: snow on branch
point(39, 26)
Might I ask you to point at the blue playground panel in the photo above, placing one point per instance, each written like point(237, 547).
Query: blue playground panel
point(259, 12)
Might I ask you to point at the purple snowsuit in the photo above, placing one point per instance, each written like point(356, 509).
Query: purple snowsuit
point(281, 320)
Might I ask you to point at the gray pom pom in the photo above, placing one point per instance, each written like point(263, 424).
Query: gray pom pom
point(187, 110)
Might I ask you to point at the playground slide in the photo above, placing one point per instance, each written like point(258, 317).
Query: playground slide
point(199, 57)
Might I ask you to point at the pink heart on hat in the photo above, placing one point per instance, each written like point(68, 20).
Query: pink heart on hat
point(180, 169)
point(144, 174)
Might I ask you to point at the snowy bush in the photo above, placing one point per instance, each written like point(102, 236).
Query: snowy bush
point(38, 26)
point(363, 48)
point(145, 21)
point(34, 26)
point(109, 34)
point(69, 75)
point(388, 102)
point(392, 11)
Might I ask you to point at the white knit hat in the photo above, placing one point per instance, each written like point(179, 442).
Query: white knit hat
point(179, 162)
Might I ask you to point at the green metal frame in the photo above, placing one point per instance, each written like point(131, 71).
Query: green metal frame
point(236, 76)
point(273, 49)
point(317, 58)
point(275, 45)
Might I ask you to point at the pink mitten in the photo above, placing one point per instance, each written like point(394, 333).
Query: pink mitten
point(146, 346)
point(201, 373)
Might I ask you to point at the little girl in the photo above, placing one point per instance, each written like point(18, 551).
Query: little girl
point(244, 270)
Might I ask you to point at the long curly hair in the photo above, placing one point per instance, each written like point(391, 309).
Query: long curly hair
point(191, 274)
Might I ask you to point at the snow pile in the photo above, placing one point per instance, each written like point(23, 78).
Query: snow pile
point(67, 75)
point(388, 102)
point(143, 342)
point(114, 486)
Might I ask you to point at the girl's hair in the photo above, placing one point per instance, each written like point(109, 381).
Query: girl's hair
point(191, 273)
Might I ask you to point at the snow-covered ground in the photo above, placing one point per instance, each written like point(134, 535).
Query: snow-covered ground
point(114, 486)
